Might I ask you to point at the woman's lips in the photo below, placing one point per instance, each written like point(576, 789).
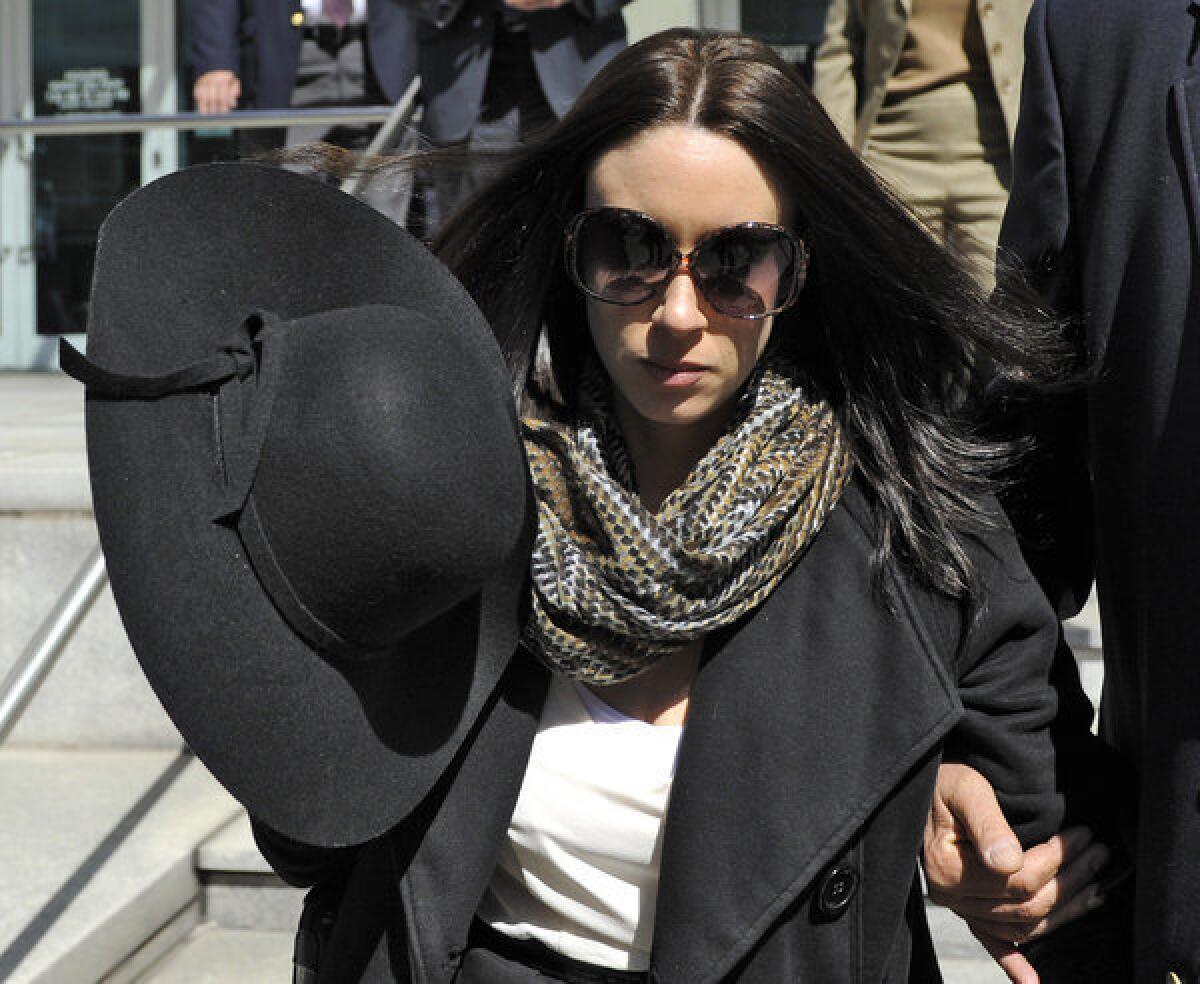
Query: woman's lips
point(674, 373)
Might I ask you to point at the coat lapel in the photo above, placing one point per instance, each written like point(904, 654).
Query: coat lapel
point(799, 726)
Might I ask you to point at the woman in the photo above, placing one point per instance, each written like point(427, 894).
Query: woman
point(769, 584)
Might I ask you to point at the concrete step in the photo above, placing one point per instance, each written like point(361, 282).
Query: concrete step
point(43, 466)
point(98, 858)
point(962, 959)
point(96, 695)
point(46, 532)
point(1083, 631)
point(216, 955)
point(240, 889)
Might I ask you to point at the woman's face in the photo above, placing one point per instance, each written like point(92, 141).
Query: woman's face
point(673, 360)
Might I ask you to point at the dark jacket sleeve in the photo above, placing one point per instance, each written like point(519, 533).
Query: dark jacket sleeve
point(1051, 506)
point(214, 29)
point(350, 909)
point(1003, 667)
point(300, 864)
point(1026, 728)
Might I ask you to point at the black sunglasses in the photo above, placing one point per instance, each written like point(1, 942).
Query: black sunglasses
point(749, 270)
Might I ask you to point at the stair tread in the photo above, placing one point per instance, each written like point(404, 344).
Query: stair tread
point(963, 960)
point(97, 854)
point(43, 465)
point(213, 955)
point(232, 850)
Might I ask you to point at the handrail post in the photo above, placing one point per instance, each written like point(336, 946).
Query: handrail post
point(27, 673)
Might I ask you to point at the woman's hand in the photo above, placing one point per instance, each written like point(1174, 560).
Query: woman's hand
point(974, 866)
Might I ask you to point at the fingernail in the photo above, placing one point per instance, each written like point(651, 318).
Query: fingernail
point(1004, 855)
point(1096, 900)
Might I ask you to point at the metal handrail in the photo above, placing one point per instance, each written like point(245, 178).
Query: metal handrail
point(32, 667)
point(39, 657)
point(73, 124)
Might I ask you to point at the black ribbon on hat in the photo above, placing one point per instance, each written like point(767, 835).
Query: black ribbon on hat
point(236, 359)
point(243, 413)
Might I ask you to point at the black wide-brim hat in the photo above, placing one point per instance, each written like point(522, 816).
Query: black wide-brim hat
point(310, 490)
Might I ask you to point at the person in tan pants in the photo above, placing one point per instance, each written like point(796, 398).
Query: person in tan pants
point(927, 91)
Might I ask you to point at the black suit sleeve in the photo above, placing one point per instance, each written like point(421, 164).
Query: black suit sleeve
point(1051, 509)
point(1051, 506)
point(214, 29)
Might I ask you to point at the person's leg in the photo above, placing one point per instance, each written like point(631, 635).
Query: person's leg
point(334, 71)
point(496, 129)
point(515, 110)
point(316, 85)
point(907, 158)
point(945, 152)
point(981, 175)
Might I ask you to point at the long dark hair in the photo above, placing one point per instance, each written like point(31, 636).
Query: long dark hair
point(890, 328)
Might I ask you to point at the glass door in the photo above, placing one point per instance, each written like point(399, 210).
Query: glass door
point(86, 59)
point(67, 57)
point(16, 205)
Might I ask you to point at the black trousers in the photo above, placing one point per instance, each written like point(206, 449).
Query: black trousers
point(334, 69)
point(514, 109)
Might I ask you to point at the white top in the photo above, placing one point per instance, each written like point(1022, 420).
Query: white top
point(313, 12)
point(578, 870)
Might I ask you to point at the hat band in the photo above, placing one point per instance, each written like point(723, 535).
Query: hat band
point(279, 589)
point(240, 416)
point(236, 359)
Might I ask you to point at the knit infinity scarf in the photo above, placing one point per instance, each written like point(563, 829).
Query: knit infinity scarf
point(616, 587)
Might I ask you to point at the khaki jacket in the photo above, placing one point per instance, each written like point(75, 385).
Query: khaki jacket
point(862, 43)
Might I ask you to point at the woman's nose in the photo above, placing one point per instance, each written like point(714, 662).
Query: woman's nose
point(680, 309)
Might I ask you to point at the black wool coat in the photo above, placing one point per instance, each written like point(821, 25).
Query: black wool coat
point(804, 777)
point(1104, 213)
